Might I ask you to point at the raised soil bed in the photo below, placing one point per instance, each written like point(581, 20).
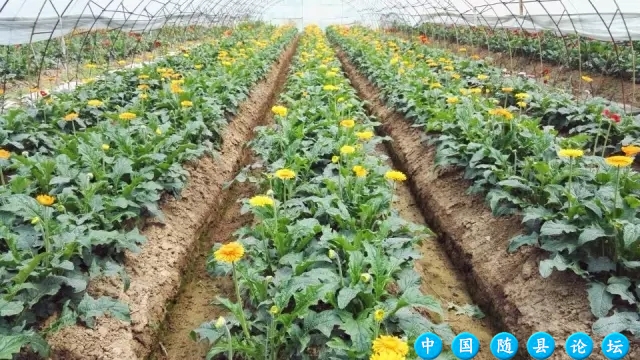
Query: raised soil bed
point(156, 272)
point(506, 286)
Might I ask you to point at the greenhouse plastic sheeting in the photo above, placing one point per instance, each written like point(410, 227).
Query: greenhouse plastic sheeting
point(25, 21)
point(593, 26)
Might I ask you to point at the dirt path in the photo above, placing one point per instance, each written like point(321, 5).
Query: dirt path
point(193, 307)
point(440, 278)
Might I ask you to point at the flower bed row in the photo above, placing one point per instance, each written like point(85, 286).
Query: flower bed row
point(326, 271)
point(580, 207)
point(98, 47)
point(80, 169)
point(575, 51)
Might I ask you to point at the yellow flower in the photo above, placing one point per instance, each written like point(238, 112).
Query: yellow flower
point(143, 87)
point(360, 171)
point(4, 154)
point(335, 159)
point(395, 175)
point(261, 201)
point(46, 200)
point(482, 77)
point(347, 149)
point(462, 50)
point(144, 96)
point(220, 322)
point(330, 74)
point(274, 310)
point(476, 91)
point(365, 277)
point(455, 76)
point(121, 62)
point(435, 85)
point(279, 110)
point(619, 161)
point(105, 147)
point(90, 66)
point(501, 112)
point(186, 103)
point(394, 61)
point(629, 150)
point(349, 123)
point(464, 91)
point(94, 103)
point(507, 89)
point(385, 343)
point(571, 153)
point(521, 96)
point(586, 79)
point(378, 315)
point(230, 252)
point(364, 135)
point(285, 174)
point(452, 100)
point(475, 57)
point(127, 116)
point(329, 88)
point(197, 66)
point(143, 77)
point(340, 99)
point(386, 355)
point(449, 68)
point(521, 104)
point(71, 117)
point(158, 131)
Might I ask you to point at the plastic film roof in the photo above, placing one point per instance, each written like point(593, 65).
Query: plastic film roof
point(25, 21)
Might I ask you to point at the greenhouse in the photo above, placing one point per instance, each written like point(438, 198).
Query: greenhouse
point(330, 179)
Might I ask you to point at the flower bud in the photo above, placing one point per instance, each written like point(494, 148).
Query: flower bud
point(332, 254)
point(220, 322)
point(268, 278)
point(365, 277)
point(274, 310)
point(35, 220)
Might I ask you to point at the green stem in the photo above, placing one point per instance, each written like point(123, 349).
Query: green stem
point(615, 210)
point(230, 343)
point(340, 269)
point(242, 319)
point(604, 146)
point(2, 177)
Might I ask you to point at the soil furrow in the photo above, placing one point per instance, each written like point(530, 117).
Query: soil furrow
point(439, 276)
point(507, 286)
point(156, 272)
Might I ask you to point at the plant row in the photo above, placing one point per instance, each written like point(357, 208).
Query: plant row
point(79, 170)
point(91, 48)
point(326, 270)
point(578, 52)
point(579, 204)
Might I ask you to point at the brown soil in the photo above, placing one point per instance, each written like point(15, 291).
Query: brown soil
point(609, 87)
point(155, 273)
point(506, 286)
point(440, 278)
point(193, 306)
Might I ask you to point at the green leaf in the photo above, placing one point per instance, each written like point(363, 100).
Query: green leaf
point(10, 308)
point(620, 286)
point(521, 240)
point(345, 295)
point(11, 345)
point(472, 311)
point(414, 297)
point(631, 234)
point(600, 300)
point(617, 322)
point(323, 321)
point(90, 308)
point(407, 278)
point(516, 184)
point(591, 233)
point(358, 330)
point(554, 228)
